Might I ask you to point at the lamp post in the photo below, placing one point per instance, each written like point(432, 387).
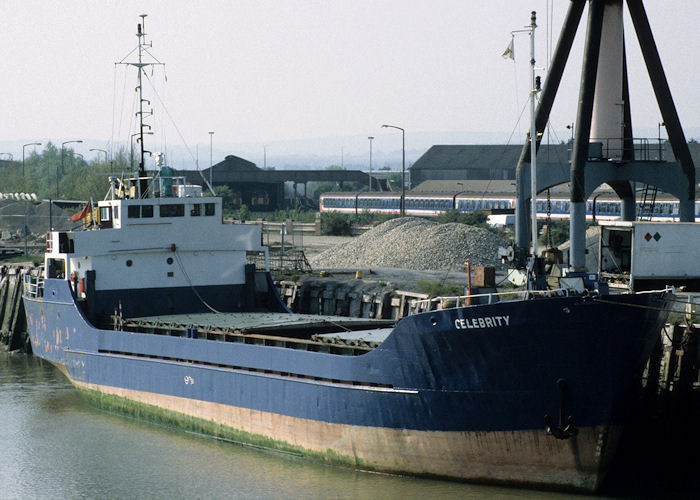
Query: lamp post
point(62, 147)
point(211, 160)
point(98, 149)
point(370, 162)
point(403, 166)
point(24, 146)
point(26, 228)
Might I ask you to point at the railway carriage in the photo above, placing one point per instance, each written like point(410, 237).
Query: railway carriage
point(604, 206)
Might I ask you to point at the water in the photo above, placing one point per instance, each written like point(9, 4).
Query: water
point(53, 445)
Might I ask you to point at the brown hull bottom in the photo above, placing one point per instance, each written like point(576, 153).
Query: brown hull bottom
point(528, 458)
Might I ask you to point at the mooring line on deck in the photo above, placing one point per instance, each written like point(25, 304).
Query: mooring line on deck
point(639, 306)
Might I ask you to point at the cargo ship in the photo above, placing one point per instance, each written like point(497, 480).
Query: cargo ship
point(157, 308)
point(164, 317)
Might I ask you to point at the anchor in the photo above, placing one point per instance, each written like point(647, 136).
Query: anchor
point(561, 432)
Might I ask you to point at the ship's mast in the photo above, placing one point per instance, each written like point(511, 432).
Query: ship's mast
point(142, 49)
point(141, 34)
point(534, 89)
point(533, 136)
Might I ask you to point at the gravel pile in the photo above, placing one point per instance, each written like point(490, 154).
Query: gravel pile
point(413, 243)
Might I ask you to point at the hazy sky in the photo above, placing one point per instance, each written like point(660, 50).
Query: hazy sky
point(266, 71)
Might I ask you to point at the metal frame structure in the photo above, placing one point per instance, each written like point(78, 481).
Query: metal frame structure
point(676, 178)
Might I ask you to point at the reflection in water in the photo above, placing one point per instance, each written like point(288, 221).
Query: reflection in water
point(54, 445)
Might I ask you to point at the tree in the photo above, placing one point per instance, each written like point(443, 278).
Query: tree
point(227, 199)
point(243, 213)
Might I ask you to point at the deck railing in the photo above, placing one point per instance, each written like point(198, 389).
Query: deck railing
point(419, 306)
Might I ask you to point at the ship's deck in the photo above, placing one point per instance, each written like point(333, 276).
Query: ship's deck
point(258, 322)
point(362, 333)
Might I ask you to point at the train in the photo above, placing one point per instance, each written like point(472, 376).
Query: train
point(603, 206)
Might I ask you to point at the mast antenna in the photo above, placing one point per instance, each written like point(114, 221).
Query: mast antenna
point(140, 64)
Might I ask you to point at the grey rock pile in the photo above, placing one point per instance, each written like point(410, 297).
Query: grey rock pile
point(418, 244)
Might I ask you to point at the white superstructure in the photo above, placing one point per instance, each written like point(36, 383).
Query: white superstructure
point(155, 242)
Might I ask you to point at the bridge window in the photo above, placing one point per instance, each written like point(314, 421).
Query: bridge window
point(196, 210)
point(172, 210)
point(209, 209)
point(105, 214)
point(137, 211)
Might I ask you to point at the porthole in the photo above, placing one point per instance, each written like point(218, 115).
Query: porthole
point(129, 263)
point(169, 261)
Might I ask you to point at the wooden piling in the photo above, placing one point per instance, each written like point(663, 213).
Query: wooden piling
point(12, 322)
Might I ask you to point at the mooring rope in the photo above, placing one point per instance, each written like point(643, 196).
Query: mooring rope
point(326, 320)
point(639, 306)
point(189, 281)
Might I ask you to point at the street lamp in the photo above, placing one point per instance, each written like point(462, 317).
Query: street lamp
point(24, 146)
point(98, 149)
point(571, 127)
point(370, 162)
point(403, 166)
point(211, 160)
point(62, 145)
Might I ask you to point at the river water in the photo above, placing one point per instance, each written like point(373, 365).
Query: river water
point(53, 445)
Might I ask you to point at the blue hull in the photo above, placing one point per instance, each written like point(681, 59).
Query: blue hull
point(484, 375)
